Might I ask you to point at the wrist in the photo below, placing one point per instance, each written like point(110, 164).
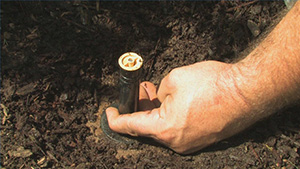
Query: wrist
point(256, 87)
point(237, 110)
point(268, 78)
point(265, 84)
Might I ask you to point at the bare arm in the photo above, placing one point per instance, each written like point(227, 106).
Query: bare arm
point(274, 65)
point(269, 77)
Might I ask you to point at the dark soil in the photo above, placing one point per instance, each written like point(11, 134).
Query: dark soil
point(59, 67)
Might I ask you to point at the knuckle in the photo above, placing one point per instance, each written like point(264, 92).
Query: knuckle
point(173, 78)
point(173, 138)
point(167, 136)
point(174, 74)
point(175, 143)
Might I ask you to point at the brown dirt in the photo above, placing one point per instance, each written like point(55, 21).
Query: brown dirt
point(59, 67)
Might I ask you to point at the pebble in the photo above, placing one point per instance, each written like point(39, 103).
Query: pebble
point(34, 132)
point(256, 9)
point(63, 97)
point(253, 27)
point(83, 95)
point(234, 157)
point(11, 25)
point(271, 141)
point(210, 52)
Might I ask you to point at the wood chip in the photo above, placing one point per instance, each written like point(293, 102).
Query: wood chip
point(25, 89)
point(20, 152)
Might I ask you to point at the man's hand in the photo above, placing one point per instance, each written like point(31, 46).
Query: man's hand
point(209, 101)
point(199, 106)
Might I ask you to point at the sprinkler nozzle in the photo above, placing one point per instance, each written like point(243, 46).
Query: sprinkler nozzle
point(130, 61)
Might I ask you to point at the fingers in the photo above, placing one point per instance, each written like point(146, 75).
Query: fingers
point(150, 89)
point(148, 98)
point(136, 124)
point(146, 122)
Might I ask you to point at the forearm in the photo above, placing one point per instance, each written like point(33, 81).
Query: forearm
point(269, 77)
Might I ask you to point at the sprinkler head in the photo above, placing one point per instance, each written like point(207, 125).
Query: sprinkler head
point(130, 70)
point(130, 61)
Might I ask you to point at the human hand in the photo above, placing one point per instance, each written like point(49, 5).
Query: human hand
point(209, 101)
point(200, 105)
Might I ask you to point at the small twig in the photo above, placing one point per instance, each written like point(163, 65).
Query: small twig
point(242, 5)
point(4, 109)
point(36, 143)
point(5, 112)
point(22, 166)
point(47, 87)
point(107, 167)
point(12, 161)
point(256, 155)
point(61, 131)
point(288, 138)
point(97, 5)
point(276, 155)
point(51, 156)
point(294, 165)
point(5, 127)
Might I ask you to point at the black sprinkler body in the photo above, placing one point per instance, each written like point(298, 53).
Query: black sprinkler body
point(130, 71)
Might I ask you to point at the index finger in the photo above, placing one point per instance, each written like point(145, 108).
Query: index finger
point(144, 123)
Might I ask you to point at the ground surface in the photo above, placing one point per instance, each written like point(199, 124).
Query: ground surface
point(59, 67)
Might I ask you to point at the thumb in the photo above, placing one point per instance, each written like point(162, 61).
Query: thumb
point(144, 123)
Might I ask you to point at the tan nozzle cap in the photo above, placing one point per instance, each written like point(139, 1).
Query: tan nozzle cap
point(130, 61)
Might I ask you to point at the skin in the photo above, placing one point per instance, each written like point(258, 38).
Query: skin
point(203, 103)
